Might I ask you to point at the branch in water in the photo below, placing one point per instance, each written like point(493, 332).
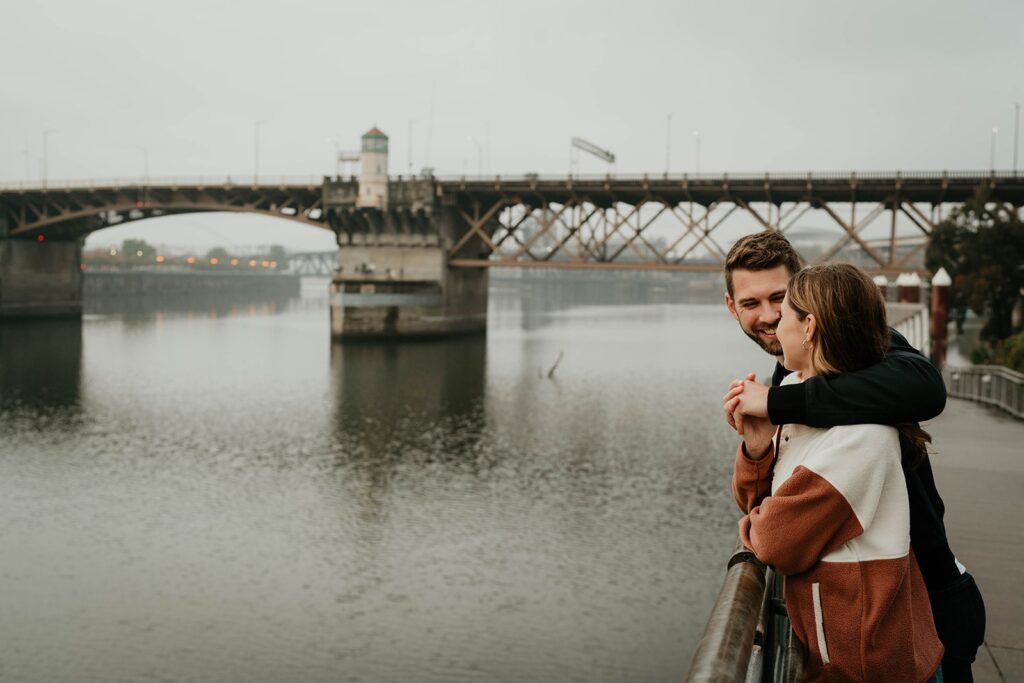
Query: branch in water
point(551, 372)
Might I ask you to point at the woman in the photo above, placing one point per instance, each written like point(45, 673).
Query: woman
point(827, 508)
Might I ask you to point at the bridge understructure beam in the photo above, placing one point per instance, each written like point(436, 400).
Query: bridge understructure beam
point(684, 224)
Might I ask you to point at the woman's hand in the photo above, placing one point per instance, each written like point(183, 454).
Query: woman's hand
point(745, 408)
point(758, 433)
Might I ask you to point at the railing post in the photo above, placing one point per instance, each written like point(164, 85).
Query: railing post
point(723, 654)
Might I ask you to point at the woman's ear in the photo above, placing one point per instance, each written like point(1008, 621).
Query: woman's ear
point(812, 327)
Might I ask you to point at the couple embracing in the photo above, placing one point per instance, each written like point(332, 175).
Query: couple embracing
point(833, 475)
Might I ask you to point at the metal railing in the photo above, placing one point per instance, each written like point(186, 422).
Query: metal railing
point(748, 638)
point(993, 385)
point(913, 322)
point(248, 181)
point(168, 181)
point(737, 177)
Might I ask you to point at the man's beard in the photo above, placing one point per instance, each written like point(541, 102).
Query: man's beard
point(773, 347)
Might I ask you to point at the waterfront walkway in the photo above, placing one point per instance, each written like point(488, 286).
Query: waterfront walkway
point(979, 470)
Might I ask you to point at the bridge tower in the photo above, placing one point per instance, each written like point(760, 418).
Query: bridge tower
point(373, 170)
point(394, 237)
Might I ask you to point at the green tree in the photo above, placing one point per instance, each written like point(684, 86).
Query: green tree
point(219, 253)
point(981, 246)
point(132, 249)
point(278, 253)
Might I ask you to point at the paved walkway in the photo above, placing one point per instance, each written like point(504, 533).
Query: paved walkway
point(979, 471)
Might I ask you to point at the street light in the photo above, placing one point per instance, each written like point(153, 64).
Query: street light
point(992, 151)
point(696, 137)
point(479, 154)
point(337, 157)
point(256, 153)
point(1016, 132)
point(46, 155)
point(411, 124)
point(145, 164)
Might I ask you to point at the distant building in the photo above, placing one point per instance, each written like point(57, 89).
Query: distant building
point(373, 170)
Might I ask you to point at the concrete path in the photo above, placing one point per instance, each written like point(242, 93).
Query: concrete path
point(979, 471)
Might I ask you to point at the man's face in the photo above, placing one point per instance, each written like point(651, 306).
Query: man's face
point(756, 303)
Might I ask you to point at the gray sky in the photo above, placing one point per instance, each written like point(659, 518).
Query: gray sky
point(782, 86)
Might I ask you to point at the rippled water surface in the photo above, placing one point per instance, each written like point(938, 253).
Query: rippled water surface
point(215, 492)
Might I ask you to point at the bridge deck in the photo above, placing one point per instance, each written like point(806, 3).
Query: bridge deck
point(927, 187)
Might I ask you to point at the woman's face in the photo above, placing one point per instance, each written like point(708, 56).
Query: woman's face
point(791, 333)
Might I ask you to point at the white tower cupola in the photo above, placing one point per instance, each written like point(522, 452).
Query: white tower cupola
point(373, 170)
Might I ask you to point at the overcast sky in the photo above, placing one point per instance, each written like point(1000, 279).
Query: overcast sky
point(780, 86)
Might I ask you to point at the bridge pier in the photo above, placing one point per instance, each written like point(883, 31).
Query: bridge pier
point(404, 291)
point(40, 279)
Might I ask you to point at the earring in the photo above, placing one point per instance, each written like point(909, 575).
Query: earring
point(803, 344)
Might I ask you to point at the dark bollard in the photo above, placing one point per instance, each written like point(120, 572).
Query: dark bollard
point(940, 316)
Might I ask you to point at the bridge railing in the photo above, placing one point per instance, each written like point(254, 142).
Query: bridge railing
point(737, 177)
point(992, 385)
point(315, 180)
point(747, 638)
point(168, 181)
point(913, 322)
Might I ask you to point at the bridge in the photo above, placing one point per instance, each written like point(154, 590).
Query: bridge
point(421, 256)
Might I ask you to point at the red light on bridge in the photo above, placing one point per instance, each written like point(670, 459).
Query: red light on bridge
point(40, 238)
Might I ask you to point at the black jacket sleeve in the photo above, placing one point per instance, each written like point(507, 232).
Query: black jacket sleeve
point(903, 387)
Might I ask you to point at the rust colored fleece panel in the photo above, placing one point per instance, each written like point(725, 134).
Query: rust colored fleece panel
point(869, 622)
point(804, 520)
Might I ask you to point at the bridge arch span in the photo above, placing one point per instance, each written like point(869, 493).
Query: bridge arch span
point(71, 214)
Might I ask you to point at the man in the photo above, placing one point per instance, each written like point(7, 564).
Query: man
point(903, 388)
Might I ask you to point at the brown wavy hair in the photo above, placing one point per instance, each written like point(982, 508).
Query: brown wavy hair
point(760, 251)
point(852, 332)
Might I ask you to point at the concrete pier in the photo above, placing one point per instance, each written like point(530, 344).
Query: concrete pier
point(40, 279)
point(979, 470)
point(398, 291)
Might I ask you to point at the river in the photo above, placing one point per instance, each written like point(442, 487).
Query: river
point(212, 491)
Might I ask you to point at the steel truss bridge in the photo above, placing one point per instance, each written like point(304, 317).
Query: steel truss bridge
point(665, 222)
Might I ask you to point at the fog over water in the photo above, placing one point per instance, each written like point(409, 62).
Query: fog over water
point(216, 492)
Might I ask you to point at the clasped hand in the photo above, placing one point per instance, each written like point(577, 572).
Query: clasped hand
point(746, 410)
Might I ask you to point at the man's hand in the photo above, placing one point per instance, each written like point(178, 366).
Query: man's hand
point(731, 400)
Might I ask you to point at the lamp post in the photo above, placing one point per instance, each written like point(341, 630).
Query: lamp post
point(668, 143)
point(479, 154)
point(256, 153)
point(992, 151)
point(696, 137)
point(337, 157)
point(1016, 132)
point(145, 164)
point(46, 155)
point(411, 124)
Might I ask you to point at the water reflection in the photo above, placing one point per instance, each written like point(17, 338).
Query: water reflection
point(138, 310)
point(40, 364)
point(410, 399)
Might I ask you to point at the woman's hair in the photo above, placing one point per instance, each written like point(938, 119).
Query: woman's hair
point(851, 330)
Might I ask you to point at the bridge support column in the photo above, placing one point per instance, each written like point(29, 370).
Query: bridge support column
point(405, 291)
point(40, 279)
